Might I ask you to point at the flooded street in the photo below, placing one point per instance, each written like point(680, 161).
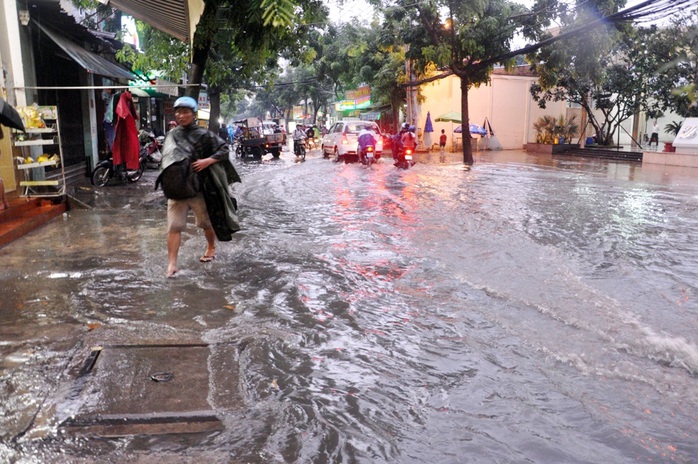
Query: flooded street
point(531, 309)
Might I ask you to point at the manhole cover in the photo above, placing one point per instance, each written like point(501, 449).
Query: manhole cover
point(128, 390)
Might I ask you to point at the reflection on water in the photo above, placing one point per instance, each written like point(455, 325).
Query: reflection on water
point(531, 309)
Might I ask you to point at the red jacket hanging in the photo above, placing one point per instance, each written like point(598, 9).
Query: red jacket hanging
point(126, 146)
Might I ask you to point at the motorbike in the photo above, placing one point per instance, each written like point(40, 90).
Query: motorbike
point(405, 160)
point(368, 155)
point(105, 171)
point(151, 150)
point(312, 143)
point(299, 149)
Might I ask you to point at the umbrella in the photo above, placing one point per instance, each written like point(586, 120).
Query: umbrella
point(453, 116)
point(428, 126)
point(428, 129)
point(9, 116)
point(474, 130)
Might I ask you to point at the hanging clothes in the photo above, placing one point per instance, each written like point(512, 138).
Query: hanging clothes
point(108, 122)
point(126, 147)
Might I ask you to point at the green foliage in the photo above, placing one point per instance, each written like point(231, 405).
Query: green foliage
point(607, 71)
point(550, 129)
point(675, 51)
point(278, 13)
point(673, 128)
point(545, 129)
point(162, 52)
point(341, 58)
point(465, 38)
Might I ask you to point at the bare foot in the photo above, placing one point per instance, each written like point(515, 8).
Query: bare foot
point(171, 270)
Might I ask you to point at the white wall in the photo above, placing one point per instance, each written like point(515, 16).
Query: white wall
point(505, 102)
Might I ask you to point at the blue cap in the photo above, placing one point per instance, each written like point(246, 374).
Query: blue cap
point(186, 102)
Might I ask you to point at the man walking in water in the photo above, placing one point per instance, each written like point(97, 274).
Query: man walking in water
point(204, 149)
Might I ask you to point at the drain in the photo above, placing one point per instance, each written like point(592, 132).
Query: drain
point(143, 390)
point(162, 377)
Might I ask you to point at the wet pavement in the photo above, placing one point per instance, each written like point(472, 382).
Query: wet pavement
point(530, 309)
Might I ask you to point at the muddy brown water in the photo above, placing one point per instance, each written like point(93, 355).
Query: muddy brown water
point(530, 309)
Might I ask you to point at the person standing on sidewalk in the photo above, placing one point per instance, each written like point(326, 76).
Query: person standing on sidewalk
point(204, 150)
point(442, 146)
point(654, 138)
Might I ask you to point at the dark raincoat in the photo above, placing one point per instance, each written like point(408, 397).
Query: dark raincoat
point(199, 143)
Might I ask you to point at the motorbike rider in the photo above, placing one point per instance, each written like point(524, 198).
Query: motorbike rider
point(298, 137)
point(398, 148)
point(310, 134)
point(366, 138)
point(409, 140)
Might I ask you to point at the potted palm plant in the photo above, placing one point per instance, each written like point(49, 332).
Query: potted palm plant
point(553, 134)
point(672, 128)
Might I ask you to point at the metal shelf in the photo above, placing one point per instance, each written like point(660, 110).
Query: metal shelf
point(36, 165)
point(34, 183)
point(27, 143)
point(39, 183)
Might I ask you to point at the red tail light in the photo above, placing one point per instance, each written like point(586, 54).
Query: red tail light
point(408, 151)
point(369, 148)
point(345, 140)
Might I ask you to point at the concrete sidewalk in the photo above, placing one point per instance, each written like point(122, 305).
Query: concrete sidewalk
point(86, 309)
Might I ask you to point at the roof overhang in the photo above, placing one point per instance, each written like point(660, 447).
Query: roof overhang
point(175, 17)
point(89, 61)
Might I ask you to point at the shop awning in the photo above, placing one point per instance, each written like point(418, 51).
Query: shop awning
point(89, 61)
point(175, 17)
point(147, 92)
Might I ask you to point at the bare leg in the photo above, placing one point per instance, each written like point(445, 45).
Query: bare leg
point(174, 239)
point(210, 235)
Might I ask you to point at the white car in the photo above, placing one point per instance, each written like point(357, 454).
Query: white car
point(342, 140)
point(269, 127)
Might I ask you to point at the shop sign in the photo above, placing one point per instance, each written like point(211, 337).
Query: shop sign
point(345, 105)
point(204, 103)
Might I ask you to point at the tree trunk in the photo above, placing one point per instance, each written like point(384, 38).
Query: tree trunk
point(395, 103)
point(214, 97)
point(203, 38)
point(465, 122)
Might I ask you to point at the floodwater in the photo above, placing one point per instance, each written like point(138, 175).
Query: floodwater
point(530, 309)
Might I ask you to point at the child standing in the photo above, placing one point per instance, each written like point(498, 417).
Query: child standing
point(442, 146)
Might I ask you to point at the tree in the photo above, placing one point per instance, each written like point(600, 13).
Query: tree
point(245, 38)
point(675, 49)
point(351, 55)
point(463, 38)
point(600, 70)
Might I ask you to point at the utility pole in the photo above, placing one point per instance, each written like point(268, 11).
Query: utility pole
point(408, 73)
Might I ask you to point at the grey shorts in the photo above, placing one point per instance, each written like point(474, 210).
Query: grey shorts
point(177, 211)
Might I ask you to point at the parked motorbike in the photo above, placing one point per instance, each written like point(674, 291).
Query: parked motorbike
point(405, 160)
point(237, 144)
point(151, 150)
point(368, 155)
point(105, 171)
